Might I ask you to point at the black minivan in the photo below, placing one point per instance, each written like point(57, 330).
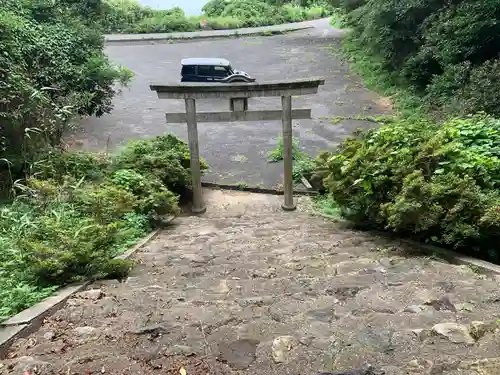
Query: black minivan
point(211, 70)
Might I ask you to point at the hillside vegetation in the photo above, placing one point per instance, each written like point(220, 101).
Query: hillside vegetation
point(127, 16)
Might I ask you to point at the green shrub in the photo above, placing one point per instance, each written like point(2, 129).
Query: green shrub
point(118, 16)
point(315, 12)
point(52, 68)
point(276, 154)
point(294, 13)
point(438, 183)
point(106, 202)
point(214, 8)
point(247, 9)
point(222, 23)
point(17, 296)
point(54, 245)
point(64, 247)
point(163, 24)
point(77, 211)
point(87, 165)
point(152, 195)
point(303, 167)
point(165, 157)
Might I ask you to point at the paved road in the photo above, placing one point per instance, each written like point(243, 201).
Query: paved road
point(211, 33)
point(247, 289)
point(237, 152)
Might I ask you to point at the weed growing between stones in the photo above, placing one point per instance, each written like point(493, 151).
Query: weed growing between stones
point(303, 163)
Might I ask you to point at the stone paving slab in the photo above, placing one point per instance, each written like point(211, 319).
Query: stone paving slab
point(249, 289)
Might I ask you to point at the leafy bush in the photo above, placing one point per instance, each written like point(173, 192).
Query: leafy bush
point(438, 183)
point(276, 154)
point(152, 195)
point(52, 67)
point(165, 157)
point(222, 23)
point(105, 202)
point(315, 12)
point(63, 247)
point(163, 24)
point(86, 165)
point(215, 8)
point(247, 9)
point(77, 211)
point(294, 13)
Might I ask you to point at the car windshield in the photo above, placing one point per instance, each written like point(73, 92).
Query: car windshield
point(230, 69)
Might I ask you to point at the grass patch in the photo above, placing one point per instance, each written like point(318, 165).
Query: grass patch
point(382, 119)
point(242, 185)
point(276, 154)
point(326, 206)
point(303, 164)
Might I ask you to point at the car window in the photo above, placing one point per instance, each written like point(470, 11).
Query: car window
point(204, 70)
point(220, 71)
point(188, 70)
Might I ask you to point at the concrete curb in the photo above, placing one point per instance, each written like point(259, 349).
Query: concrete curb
point(29, 320)
point(258, 190)
point(177, 37)
point(445, 254)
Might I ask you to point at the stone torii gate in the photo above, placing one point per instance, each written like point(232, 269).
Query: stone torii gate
point(238, 94)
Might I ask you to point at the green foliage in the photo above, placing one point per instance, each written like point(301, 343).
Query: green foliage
point(165, 157)
point(163, 24)
point(119, 16)
point(439, 183)
point(276, 154)
point(303, 167)
point(326, 206)
point(215, 8)
point(444, 52)
point(52, 67)
point(223, 23)
point(153, 196)
point(86, 165)
point(293, 13)
point(62, 246)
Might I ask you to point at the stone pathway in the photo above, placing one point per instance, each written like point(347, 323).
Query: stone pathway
point(249, 289)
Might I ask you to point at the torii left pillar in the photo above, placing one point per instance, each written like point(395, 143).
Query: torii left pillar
point(198, 206)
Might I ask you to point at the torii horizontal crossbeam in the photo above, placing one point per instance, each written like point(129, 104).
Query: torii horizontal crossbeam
point(196, 90)
point(297, 114)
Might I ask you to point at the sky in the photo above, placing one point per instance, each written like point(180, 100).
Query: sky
point(191, 7)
